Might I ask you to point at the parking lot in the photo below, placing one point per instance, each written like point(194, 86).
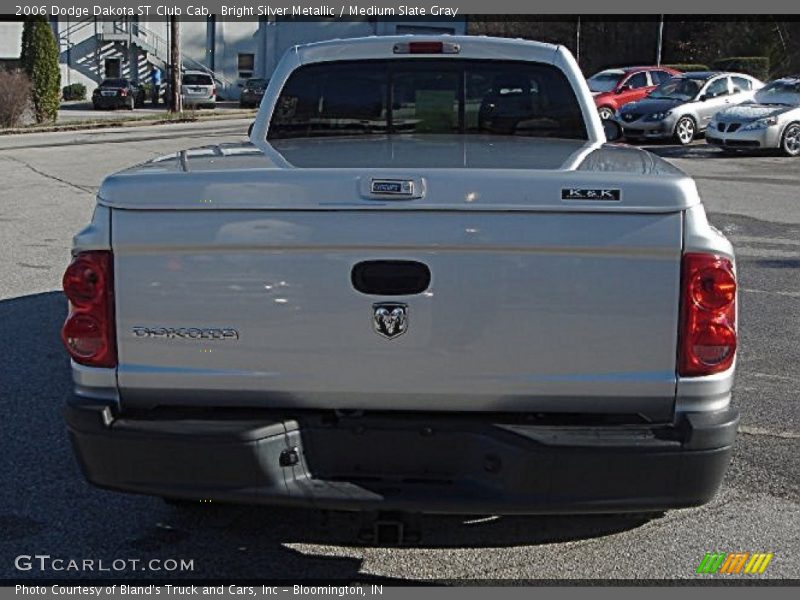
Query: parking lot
point(47, 507)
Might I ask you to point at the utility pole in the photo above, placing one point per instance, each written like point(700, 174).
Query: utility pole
point(176, 102)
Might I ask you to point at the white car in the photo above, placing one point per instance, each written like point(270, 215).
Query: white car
point(198, 90)
point(771, 120)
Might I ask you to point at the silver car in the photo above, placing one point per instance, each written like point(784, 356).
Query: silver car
point(683, 107)
point(771, 120)
point(198, 89)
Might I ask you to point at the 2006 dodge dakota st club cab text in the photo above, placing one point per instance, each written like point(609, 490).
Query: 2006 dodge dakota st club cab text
point(425, 284)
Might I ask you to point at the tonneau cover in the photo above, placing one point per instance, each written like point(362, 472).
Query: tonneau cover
point(459, 172)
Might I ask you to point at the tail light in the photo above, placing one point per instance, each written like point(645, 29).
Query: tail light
point(89, 331)
point(122, 92)
point(707, 337)
point(213, 92)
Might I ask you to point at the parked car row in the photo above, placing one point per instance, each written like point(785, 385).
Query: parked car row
point(735, 111)
point(683, 107)
point(198, 89)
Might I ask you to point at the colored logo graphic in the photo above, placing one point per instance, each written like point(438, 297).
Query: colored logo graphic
point(735, 563)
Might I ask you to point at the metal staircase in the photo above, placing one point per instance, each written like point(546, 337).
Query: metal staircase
point(118, 37)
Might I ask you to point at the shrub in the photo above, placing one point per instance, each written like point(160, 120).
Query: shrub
point(40, 61)
point(689, 67)
point(15, 93)
point(757, 66)
point(75, 91)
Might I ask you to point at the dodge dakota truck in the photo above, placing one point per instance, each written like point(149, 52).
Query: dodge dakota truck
point(425, 284)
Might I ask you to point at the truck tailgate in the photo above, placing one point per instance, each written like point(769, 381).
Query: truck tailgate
point(542, 311)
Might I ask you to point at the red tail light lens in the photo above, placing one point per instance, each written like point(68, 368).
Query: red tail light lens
point(89, 331)
point(713, 288)
point(708, 315)
point(84, 280)
point(123, 92)
point(425, 48)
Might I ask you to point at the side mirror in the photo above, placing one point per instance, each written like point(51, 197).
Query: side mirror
point(250, 129)
point(704, 97)
point(612, 130)
point(623, 88)
point(241, 85)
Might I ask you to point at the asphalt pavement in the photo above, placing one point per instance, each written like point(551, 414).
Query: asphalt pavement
point(46, 507)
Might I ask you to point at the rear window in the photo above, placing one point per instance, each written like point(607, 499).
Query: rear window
point(120, 83)
point(196, 79)
point(427, 96)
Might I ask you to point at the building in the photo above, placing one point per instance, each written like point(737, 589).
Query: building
point(232, 50)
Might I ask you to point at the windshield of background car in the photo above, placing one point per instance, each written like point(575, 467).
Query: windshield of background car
point(678, 88)
point(782, 91)
point(604, 81)
point(192, 79)
point(430, 96)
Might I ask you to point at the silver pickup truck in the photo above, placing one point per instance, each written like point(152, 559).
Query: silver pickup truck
point(426, 284)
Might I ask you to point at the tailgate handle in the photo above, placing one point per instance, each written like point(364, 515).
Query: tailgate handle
point(390, 277)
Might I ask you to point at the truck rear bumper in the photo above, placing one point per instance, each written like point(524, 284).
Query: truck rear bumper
point(432, 463)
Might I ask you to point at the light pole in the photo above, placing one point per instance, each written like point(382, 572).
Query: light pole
point(660, 39)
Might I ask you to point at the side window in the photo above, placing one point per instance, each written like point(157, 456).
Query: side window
point(717, 88)
point(741, 84)
point(637, 81)
point(660, 77)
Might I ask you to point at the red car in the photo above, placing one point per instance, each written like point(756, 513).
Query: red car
point(614, 88)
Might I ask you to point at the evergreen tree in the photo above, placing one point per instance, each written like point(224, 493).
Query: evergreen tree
point(40, 61)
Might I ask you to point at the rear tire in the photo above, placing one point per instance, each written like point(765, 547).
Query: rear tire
point(685, 131)
point(790, 140)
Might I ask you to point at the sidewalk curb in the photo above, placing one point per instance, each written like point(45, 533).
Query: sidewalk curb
point(130, 122)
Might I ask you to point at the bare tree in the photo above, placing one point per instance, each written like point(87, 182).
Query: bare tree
point(15, 94)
